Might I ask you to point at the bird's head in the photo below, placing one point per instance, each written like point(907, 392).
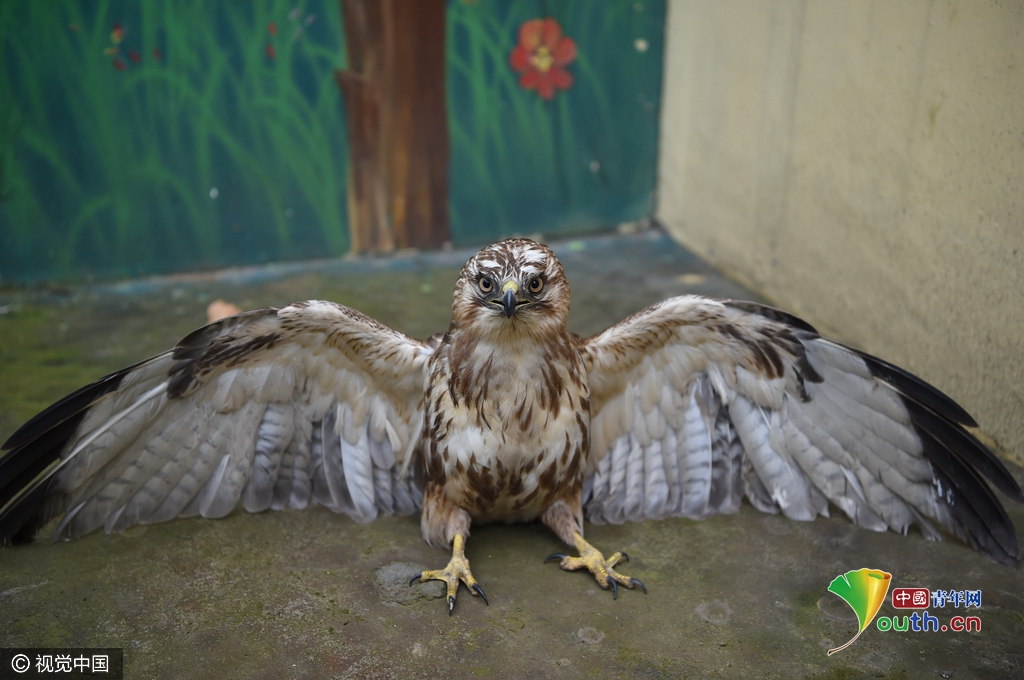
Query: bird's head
point(515, 285)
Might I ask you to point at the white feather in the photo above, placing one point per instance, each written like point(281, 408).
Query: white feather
point(655, 484)
point(695, 463)
point(632, 505)
point(358, 474)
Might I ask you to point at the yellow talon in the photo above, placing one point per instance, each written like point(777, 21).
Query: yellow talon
point(591, 558)
point(457, 570)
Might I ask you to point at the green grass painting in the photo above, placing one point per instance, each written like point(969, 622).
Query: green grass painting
point(189, 147)
point(152, 136)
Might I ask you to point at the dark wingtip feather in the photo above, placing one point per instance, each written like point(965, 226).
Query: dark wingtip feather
point(47, 445)
point(76, 402)
point(977, 526)
point(938, 413)
point(32, 449)
point(20, 502)
point(967, 448)
point(917, 389)
point(939, 422)
point(39, 442)
point(69, 406)
point(959, 460)
point(22, 521)
point(968, 497)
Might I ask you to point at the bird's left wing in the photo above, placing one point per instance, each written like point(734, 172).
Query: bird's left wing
point(270, 408)
point(696, 403)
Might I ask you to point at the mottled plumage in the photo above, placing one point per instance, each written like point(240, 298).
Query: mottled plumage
point(680, 410)
point(507, 415)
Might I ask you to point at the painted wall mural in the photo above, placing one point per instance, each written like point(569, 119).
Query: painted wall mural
point(150, 136)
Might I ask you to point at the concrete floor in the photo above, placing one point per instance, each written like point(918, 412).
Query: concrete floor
point(312, 594)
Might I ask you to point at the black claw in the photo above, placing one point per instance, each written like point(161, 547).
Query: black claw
point(414, 578)
point(451, 604)
point(555, 556)
point(637, 582)
point(625, 556)
point(615, 590)
point(480, 591)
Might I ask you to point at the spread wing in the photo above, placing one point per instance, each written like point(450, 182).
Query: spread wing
point(273, 408)
point(697, 403)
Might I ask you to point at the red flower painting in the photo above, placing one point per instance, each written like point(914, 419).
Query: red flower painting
point(541, 55)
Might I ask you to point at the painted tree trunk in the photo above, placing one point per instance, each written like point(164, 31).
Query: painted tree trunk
point(394, 93)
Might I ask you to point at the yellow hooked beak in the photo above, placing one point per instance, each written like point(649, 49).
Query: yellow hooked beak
point(509, 299)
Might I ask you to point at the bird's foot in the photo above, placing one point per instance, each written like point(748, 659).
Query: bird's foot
point(457, 570)
point(602, 569)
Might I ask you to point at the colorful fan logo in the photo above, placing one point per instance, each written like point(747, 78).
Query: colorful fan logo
point(864, 590)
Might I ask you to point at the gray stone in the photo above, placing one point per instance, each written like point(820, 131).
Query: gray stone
point(393, 583)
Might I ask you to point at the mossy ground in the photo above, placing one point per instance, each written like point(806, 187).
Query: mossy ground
point(292, 594)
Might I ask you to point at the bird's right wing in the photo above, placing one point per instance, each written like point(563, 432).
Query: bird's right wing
point(271, 408)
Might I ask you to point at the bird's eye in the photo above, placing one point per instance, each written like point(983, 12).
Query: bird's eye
point(536, 284)
point(486, 285)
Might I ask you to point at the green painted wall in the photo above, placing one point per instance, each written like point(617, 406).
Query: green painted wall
point(192, 147)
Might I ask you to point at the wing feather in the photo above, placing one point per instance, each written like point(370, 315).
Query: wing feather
point(632, 506)
point(200, 503)
point(757, 404)
point(696, 469)
point(406, 493)
point(330, 488)
point(359, 469)
point(670, 453)
point(272, 439)
point(786, 485)
point(267, 409)
point(154, 492)
point(299, 492)
point(203, 459)
point(655, 481)
point(239, 456)
point(726, 489)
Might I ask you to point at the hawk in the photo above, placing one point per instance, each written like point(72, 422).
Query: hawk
point(681, 410)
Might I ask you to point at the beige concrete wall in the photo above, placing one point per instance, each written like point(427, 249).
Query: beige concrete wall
point(862, 163)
